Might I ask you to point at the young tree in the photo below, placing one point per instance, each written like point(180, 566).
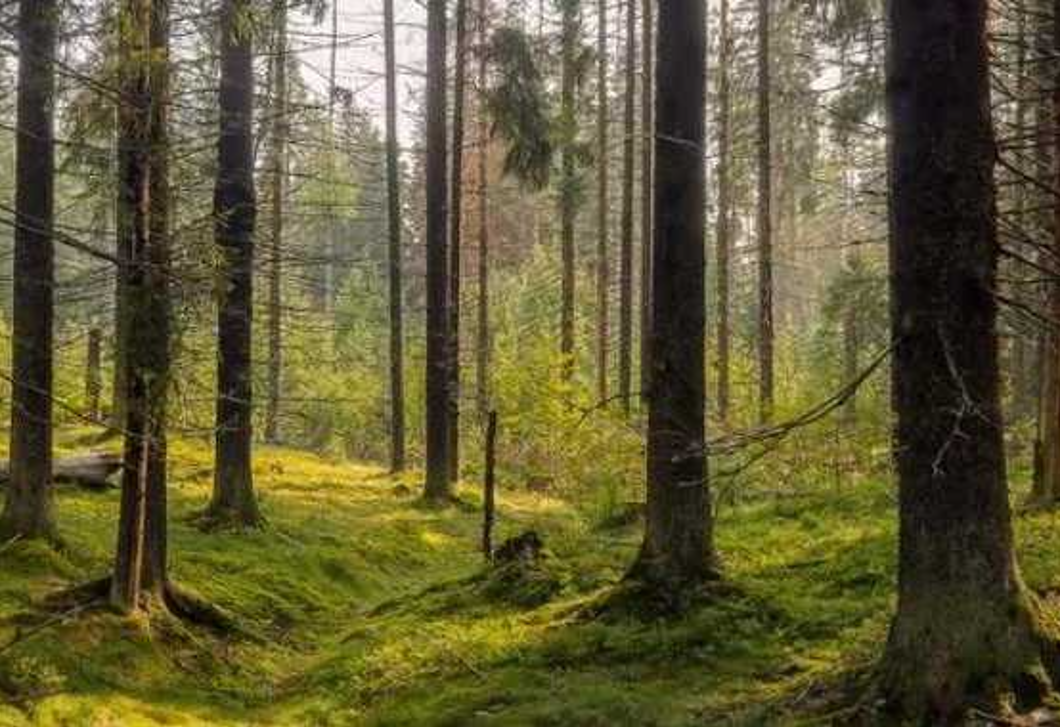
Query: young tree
point(678, 543)
point(764, 220)
point(28, 509)
point(625, 276)
point(393, 185)
point(966, 625)
point(456, 219)
point(437, 488)
point(235, 210)
point(603, 204)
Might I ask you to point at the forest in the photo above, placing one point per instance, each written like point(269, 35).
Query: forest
point(530, 362)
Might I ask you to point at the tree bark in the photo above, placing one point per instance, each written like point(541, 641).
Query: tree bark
point(234, 501)
point(456, 219)
point(765, 220)
point(393, 185)
point(678, 545)
point(484, 342)
point(724, 215)
point(966, 627)
point(280, 132)
point(437, 487)
point(94, 374)
point(647, 114)
point(625, 297)
point(567, 196)
point(603, 204)
point(28, 511)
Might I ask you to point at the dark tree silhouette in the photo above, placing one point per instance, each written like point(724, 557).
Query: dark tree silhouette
point(28, 510)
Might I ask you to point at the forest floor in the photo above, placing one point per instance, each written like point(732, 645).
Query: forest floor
point(361, 606)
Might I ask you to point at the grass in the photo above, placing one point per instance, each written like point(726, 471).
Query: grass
point(372, 609)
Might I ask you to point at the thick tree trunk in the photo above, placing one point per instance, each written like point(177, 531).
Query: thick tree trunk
point(647, 121)
point(677, 549)
point(484, 343)
point(438, 349)
point(764, 221)
point(603, 205)
point(1047, 491)
point(28, 509)
point(625, 276)
point(966, 626)
point(279, 184)
point(724, 215)
point(393, 186)
point(234, 501)
point(567, 194)
point(456, 219)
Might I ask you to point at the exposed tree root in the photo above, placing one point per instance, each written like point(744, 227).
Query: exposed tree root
point(175, 601)
point(226, 519)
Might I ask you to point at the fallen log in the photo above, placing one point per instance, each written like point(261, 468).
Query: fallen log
point(91, 471)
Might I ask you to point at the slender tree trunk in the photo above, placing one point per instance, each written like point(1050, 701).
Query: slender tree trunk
point(235, 210)
point(966, 626)
point(677, 548)
point(765, 221)
point(94, 373)
point(625, 348)
point(647, 115)
point(603, 204)
point(135, 179)
point(724, 217)
point(393, 186)
point(456, 219)
point(330, 237)
point(438, 347)
point(279, 185)
point(567, 196)
point(483, 337)
point(157, 357)
point(28, 509)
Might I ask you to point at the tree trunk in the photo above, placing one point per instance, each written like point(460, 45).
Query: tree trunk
point(393, 185)
point(94, 374)
point(279, 184)
point(135, 115)
point(966, 626)
point(567, 195)
point(28, 509)
point(603, 204)
point(765, 221)
point(438, 350)
point(724, 215)
point(483, 337)
point(1048, 481)
point(625, 297)
point(677, 549)
point(647, 113)
point(234, 501)
point(456, 219)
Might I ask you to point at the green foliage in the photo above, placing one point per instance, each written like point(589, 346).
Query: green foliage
point(520, 107)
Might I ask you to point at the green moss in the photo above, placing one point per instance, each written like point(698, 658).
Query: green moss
point(375, 610)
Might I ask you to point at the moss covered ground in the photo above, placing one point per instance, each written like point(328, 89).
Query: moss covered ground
point(362, 606)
